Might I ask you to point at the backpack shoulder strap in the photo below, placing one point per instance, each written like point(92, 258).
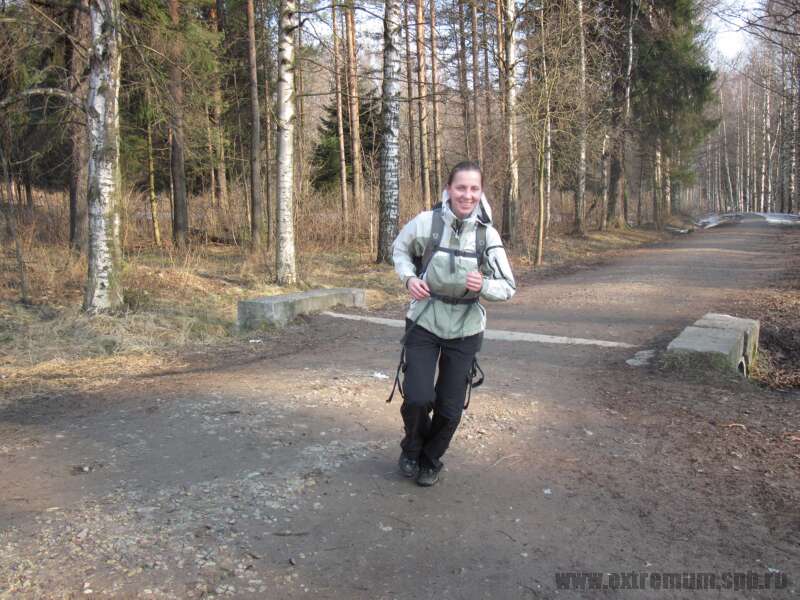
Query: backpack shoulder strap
point(480, 244)
point(437, 229)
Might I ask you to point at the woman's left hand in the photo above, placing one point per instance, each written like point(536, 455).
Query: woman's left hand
point(474, 281)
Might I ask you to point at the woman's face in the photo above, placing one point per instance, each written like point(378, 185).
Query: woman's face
point(464, 192)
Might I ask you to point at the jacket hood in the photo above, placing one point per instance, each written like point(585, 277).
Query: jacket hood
point(482, 211)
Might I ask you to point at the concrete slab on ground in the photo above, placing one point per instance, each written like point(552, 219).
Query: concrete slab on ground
point(280, 310)
point(703, 346)
point(749, 327)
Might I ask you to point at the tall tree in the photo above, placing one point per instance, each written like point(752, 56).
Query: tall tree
point(180, 218)
point(435, 91)
point(337, 79)
point(390, 117)
point(355, 124)
point(256, 210)
point(103, 287)
point(475, 80)
point(461, 56)
point(621, 97)
point(77, 44)
point(510, 229)
point(285, 254)
point(422, 110)
point(580, 193)
point(216, 16)
point(412, 153)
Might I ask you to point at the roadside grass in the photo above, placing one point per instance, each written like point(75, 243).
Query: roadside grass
point(178, 302)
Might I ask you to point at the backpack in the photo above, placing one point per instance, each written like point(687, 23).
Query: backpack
point(432, 246)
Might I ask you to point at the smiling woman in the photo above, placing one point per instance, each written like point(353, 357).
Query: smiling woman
point(449, 259)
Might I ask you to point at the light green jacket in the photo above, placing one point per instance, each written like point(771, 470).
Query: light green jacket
point(446, 274)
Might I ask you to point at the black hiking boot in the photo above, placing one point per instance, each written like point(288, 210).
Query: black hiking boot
point(428, 476)
point(409, 467)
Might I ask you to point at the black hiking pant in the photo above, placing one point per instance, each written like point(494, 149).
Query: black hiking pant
point(427, 438)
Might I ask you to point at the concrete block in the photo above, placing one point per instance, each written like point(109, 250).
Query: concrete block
point(749, 327)
point(707, 347)
point(280, 310)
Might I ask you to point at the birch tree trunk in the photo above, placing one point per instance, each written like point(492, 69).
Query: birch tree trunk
point(299, 111)
point(729, 197)
point(486, 85)
point(617, 211)
point(580, 193)
point(151, 172)
point(540, 221)
point(256, 209)
point(511, 196)
point(548, 153)
point(604, 160)
point(739, 152)
point(285, 255)
point(390, 117)
point(666, 177)
point(337, 84)
point(765, 152)
point(80, 35)
point(355, 124)
point(103, 285)
point(476, 80)
point(658, 211)
point(422, 107)
point(437, 136)
point(544, 156)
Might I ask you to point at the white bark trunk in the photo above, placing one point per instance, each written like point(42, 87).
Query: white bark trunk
point(580, 194)
point(390, 117)
point(285, 255)
point(436, 129)
point(422, 94)
point(337, 85)
point(765, 153)
point(103, 287)
point(511, 197)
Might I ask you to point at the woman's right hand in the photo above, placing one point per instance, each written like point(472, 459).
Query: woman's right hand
point(418, 289)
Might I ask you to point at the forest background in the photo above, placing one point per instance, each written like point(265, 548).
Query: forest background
point(162, 160)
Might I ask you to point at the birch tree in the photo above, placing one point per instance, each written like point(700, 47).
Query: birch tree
point(436, 129)
point(390, 117)
point(580, 192)
point(337, 90)
point(511, 193)
point(422, 110)
point(103, 286)
point(285, 254)
point(475, 79)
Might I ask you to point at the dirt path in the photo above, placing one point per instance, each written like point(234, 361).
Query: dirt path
point(273, 475)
